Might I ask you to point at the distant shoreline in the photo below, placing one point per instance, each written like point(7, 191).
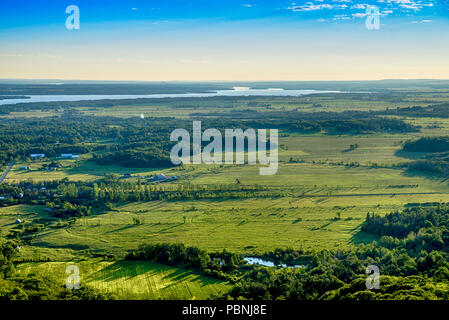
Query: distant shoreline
point(237, 92)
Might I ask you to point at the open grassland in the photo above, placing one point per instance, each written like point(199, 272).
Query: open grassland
point(246, 226)
point(325, 188)
point(381, 150)
point(134, 280)
point(322, 201)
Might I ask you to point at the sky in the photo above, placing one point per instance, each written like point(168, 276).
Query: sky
point(162, 40)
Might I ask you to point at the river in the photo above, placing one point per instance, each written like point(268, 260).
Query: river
point(238, 91)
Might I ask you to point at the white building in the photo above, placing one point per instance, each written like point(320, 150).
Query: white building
point(37, 156)
point(69, 156)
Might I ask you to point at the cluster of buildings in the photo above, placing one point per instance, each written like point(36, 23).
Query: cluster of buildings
point(52, 166)
point(35, 156)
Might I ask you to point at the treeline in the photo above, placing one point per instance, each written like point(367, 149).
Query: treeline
point(326, 275)
point(418, 227)
point(84, 134)
point(54, 194)
point(134, 158)
point(436, 160)
point(427, 144)
point(346, 122)
point(436, 165)
point(222, 265)
point(411, 255)
point(433, 111)
point(135, 142)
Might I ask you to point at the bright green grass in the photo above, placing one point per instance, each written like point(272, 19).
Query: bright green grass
point(82, 170)
point(315, 194)
point(246, 226)
point(320, 179)
point(134, 280)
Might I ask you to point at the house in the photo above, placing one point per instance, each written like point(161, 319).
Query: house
point(18, 221)
point(159, 177)
point(35, 156)
point(25, 168)
point(53, 166)
point(69, 156)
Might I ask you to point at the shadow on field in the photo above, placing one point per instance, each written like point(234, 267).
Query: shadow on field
point(127, 270)
point(409, 155)
point(75, 247)
point(185, 275)
point(362, 238)
point(124, 270)
point(129, 226)
point(426, 175)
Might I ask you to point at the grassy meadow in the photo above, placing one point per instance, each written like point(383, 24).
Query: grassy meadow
point(131, 280)
point(327, 190)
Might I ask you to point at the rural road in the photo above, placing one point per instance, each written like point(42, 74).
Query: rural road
point(6, 172)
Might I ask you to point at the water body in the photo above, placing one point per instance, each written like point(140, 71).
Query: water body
point(238, 91)
point(267, 263)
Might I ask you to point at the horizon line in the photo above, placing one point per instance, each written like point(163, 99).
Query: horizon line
point(209, 80)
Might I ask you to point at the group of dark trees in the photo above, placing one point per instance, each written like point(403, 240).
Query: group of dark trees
point(67, 201)
point(346, 122)
point(79, 135)
point(436, 154)
point(113, 190)
point(135, 142)
point(417, 227)
point(427, 144)
point(439, 111)
point(222, 265)
point(411, 254)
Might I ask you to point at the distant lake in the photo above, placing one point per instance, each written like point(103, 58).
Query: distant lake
point(238, 91)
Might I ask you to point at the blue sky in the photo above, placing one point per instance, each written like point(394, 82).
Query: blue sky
point(20, 13)
point(224, 40)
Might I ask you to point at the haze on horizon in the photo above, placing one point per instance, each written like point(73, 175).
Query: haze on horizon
point(236, 40)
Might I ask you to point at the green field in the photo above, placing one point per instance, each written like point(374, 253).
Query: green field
point(129, 280)
point(315, 191)
point(325, 190)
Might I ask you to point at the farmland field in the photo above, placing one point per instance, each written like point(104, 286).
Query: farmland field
point(327, 185)
point(130, 280)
